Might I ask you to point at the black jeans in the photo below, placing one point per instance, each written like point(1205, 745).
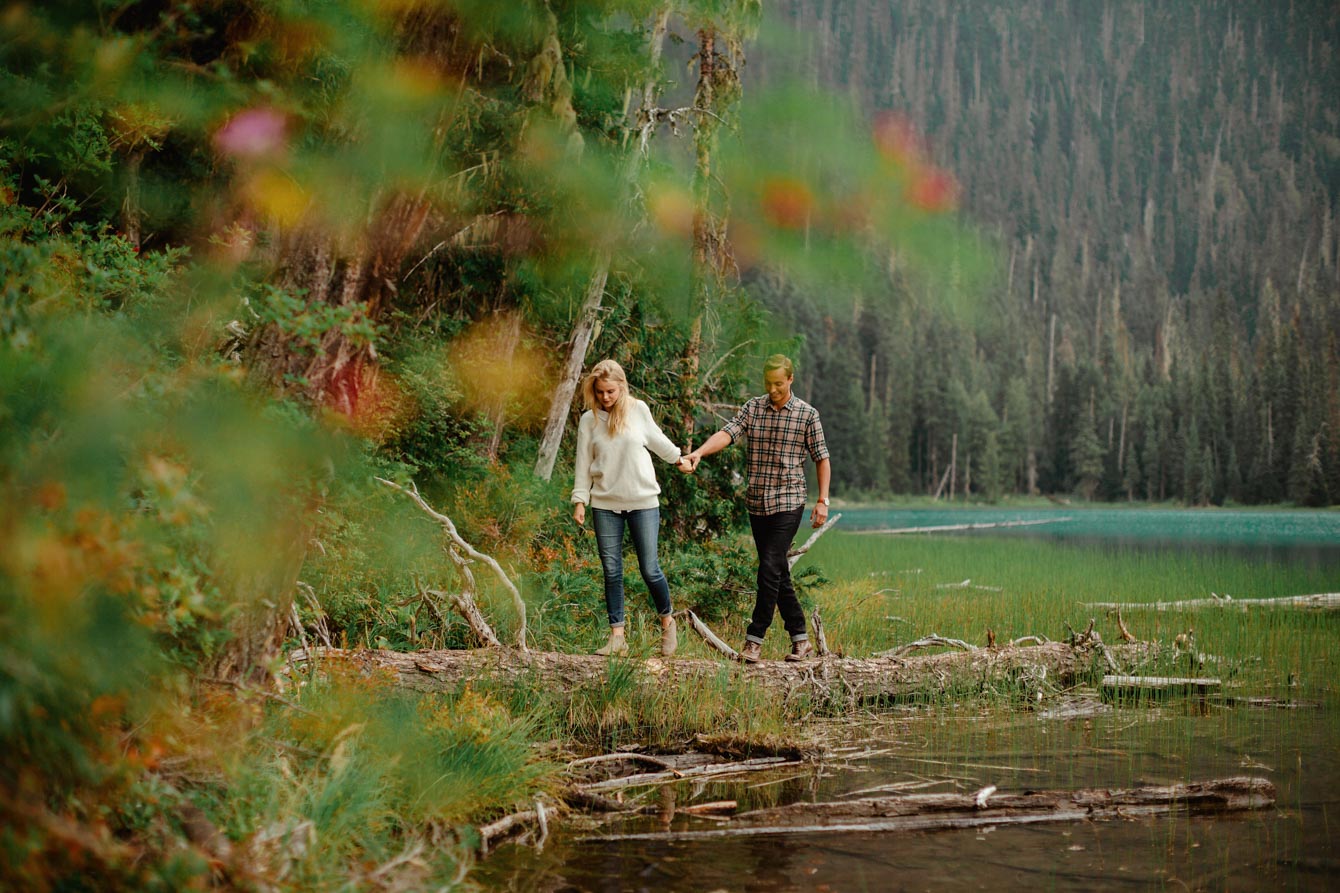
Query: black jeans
point(772, 537)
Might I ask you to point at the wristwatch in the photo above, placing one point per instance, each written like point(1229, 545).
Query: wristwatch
point(823, 499)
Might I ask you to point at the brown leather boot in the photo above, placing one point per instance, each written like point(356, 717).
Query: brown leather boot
point(751, 652)
point(800, 650)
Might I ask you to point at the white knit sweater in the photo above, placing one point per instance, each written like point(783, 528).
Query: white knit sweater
point(615, 473)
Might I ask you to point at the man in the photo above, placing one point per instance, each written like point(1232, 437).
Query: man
point(781, 430)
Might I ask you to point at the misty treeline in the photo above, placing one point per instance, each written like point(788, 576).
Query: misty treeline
point(1160, 181)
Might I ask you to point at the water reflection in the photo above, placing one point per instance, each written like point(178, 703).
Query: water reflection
point(1292, 846)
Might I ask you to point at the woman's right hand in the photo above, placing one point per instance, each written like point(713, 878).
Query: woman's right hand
point(579, 513)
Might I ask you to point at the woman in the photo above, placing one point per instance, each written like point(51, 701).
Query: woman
point(614, 475)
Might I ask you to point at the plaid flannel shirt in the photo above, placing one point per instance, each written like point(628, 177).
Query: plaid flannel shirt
point(778, 442)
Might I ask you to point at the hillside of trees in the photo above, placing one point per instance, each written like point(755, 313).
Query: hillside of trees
point(1159, 182)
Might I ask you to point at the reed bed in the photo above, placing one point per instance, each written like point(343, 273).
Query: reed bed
point(886, 591)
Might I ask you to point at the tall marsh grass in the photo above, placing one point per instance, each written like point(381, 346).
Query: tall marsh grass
point(623, 710)
point(890, 590)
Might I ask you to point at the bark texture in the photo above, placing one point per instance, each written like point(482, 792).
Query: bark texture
point(829, 680)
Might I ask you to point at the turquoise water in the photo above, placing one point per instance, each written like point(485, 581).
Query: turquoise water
point(1308, 538)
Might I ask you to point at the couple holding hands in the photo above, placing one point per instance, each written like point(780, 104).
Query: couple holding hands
point(614, 476)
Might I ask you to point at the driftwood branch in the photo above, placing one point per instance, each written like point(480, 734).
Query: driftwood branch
point(967, 584)
point(930, 641)
point(504, 827)
point(469, 611)
point(820, 640)
point(1321, 601)
point(715, 770)
point(944, 527)
point(924, 812)
point(630, 757)
point(710, 637)
point(459, 542)
point(794, 555)
point(1157, 685)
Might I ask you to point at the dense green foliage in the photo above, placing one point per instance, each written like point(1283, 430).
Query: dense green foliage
point(255, 254)
point(1160, 180)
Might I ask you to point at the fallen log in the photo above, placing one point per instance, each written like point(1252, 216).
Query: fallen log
point(946, 527)
point(1154, 686)
point(1321, 601)
point(849, 681)
point(930, 812)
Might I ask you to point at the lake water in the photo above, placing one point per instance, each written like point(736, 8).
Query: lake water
point(1292, 846)
point(1307, 536)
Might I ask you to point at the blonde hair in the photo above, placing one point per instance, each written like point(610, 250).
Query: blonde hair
point(779, 361)
point(607, 370)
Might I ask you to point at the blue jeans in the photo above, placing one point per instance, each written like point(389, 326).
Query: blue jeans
point(772, 538)
point(645, 526)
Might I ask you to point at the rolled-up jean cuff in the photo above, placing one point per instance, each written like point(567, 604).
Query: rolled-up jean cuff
point(755, 639)
point(803, 637)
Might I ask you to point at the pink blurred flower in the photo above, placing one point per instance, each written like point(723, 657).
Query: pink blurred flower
point(787, 202)
point(933, 190)
point(252, 133)
point(897, 138)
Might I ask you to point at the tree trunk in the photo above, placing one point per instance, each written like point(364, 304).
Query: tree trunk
point(262, 584)
point(339, 373)
point(358, 279)
point(704, 226)
point(584, 331)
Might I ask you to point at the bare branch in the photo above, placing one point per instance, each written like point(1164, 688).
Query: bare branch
point(927, 642)
point(794, 555)
point(820, 640)
point(450, 527)
point(710, 637)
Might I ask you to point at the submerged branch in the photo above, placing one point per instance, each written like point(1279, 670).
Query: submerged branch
point(987, 807)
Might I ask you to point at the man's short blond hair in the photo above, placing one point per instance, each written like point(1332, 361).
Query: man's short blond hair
point(779, 361)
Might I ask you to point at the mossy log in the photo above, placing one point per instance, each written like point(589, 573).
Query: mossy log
point(830, 679)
